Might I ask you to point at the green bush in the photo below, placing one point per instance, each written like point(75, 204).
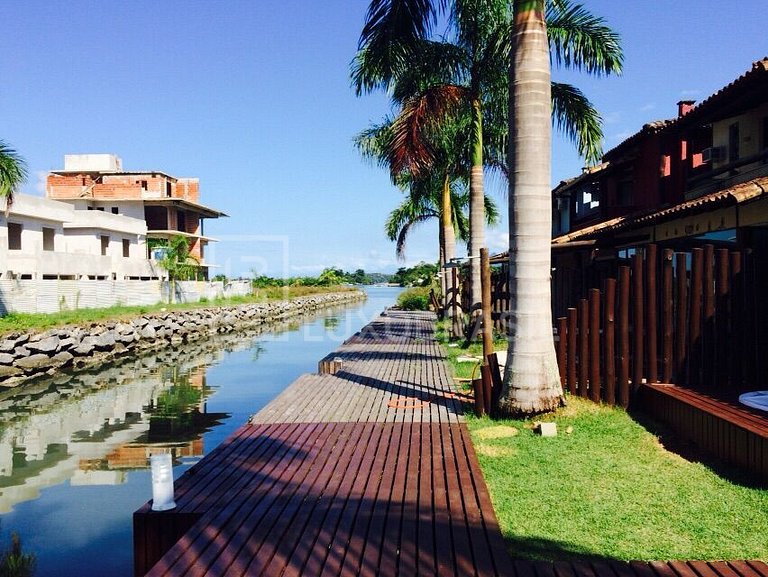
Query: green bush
point(414, 299)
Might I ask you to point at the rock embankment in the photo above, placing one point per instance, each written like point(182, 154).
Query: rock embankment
point(27, 355)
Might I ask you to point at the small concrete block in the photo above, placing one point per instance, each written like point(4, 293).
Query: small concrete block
point(548, 429)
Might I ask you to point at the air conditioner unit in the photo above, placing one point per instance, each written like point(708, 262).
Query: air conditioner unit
point(713, 154)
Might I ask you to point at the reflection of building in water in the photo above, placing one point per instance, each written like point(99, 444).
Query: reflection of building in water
point(90, 429)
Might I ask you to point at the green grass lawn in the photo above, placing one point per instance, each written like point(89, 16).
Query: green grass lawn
point(37, 322)
point(606, 488)
point(609, 489)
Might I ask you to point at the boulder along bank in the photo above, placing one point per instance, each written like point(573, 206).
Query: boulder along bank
point(24, 356)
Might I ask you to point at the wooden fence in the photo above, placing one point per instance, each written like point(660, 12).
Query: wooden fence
point(690, 318)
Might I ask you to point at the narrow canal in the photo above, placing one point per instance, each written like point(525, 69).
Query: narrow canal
point(74, 450)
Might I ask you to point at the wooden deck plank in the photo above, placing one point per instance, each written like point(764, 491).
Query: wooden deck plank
point(426, 507)
point(310, 554)
point(290, 527)
point(318, 500)
point(723, 569)
point(760, 567)
point(443, 537)
point(702, 568)
point(411, 512)
point(392, 533)
point(219, 480)
point(621, 568)
point(247, 501)
point(377, 537)
point(482, 551)
point(463, 559)
point(351, 493)
point(277, 532)
point(743, 569)
point(682, 569)
point(353, 561)
point(662, 569)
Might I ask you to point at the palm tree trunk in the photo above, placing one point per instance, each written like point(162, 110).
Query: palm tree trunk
point(441, 265)
point(449, 244)
point(476, 207)
point(531, 381)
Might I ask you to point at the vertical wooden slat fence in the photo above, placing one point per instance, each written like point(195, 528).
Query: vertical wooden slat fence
point(672, 317)
point(667, 314)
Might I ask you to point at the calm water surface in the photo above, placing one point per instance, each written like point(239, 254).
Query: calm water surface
point(74, 451)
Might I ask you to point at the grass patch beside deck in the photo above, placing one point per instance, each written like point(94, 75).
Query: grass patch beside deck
point(609, 490)
point(41, 321)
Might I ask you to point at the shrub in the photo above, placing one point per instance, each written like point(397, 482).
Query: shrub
point(414, 299)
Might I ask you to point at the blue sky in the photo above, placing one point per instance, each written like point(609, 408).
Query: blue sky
point(253, 97)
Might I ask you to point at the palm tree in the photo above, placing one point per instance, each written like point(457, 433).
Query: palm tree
point(178, 263)
point(466, 75)
point(423, 204)
point(13, 172)
point(531, 381)
point(377, 144)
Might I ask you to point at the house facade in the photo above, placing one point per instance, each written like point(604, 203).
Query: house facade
point(169, 206)
point(43, 239)
point(701, 175)
point(698, 179)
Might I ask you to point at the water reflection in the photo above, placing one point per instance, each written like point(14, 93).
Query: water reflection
point(92, 428)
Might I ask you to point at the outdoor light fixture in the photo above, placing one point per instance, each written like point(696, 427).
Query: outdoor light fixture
point(162, 482)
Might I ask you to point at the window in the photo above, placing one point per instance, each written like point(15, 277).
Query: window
point(168, 189)
point(666, 165)
point(733, 142)
point(115, 210)
point(181, 221)
point(588, 199)
point(14, 236)
point(126, 248)
point(104, 245)
point(48, 236)
point(143, 185)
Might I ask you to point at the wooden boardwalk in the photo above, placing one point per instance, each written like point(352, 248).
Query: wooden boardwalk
point(369, 471)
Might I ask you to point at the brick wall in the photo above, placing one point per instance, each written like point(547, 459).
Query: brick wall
point(188, 189)
point(111, 186)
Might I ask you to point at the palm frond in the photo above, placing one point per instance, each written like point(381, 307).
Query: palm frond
point(476, 21)
point(582, 41)
point(412, 148)
point(392, 28)
point(374, 142)
point(13, 171)
point(412, 211)
point(432, 63)
point(492, 215)
point(575, 116)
